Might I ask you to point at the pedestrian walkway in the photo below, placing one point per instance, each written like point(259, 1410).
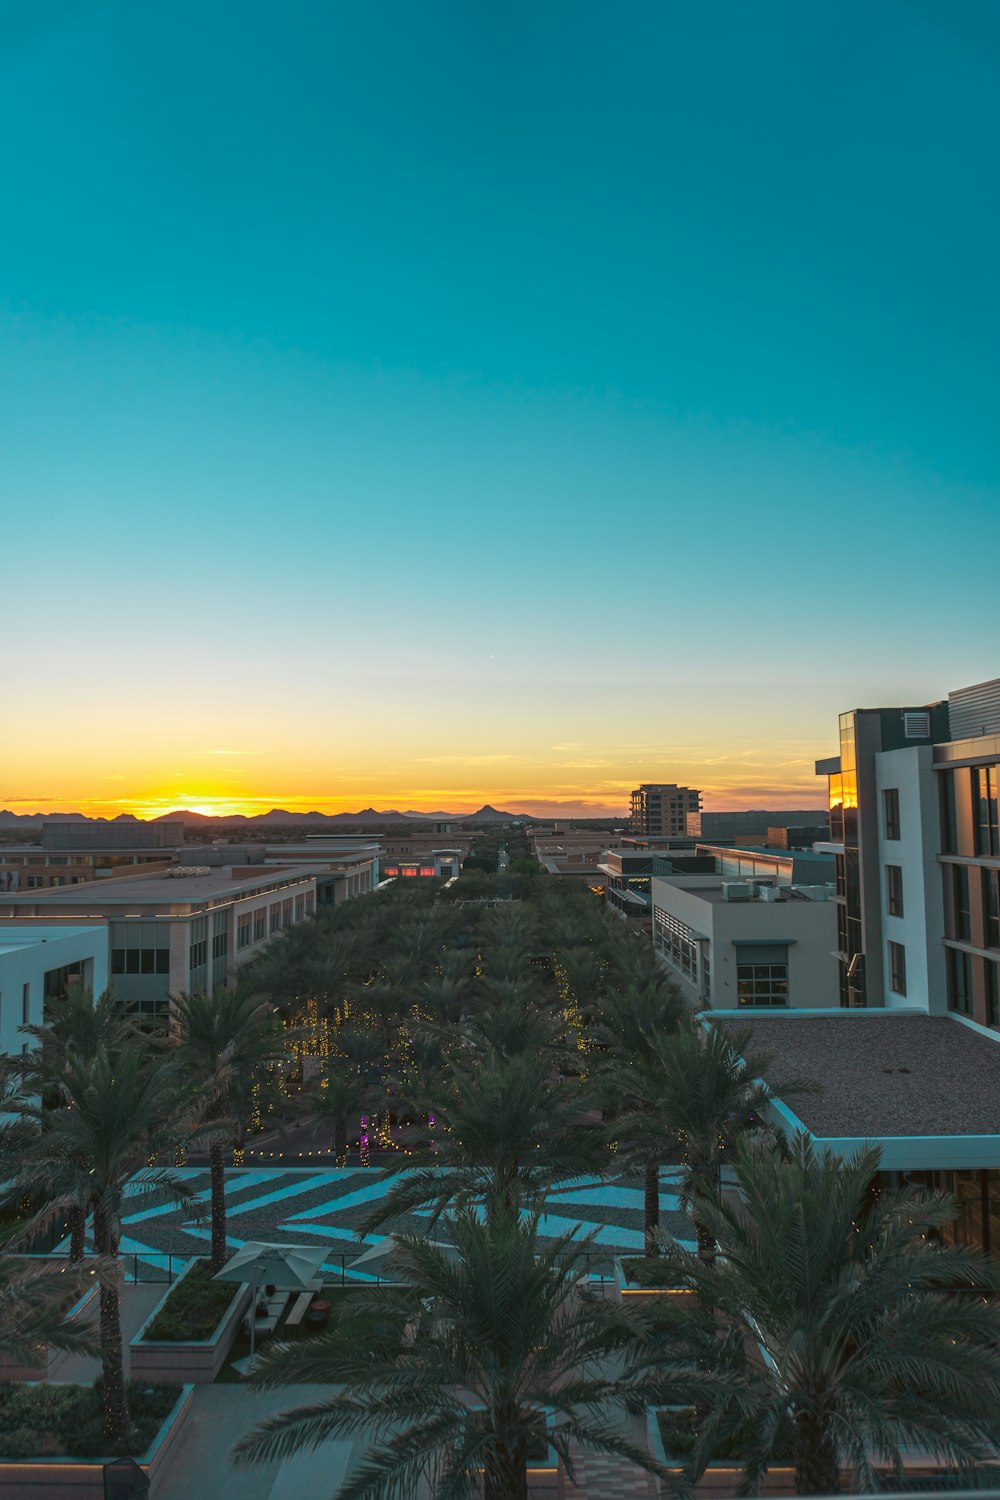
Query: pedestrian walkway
point(607, 1476)
point(202, 1463)
point(137, 1302)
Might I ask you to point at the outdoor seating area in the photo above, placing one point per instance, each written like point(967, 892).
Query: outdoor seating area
point(266, 1314)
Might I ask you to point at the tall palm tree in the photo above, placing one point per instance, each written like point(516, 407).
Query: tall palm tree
point(867, 1345)
point(696, 1091)
point(122, 1109)
point(343, 1088)
point(77, 1026)
point(506, 1133)
point(504, 1340)
point(226, 1040)
point(635, 1026)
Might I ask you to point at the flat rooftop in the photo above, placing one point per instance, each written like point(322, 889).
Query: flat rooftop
point(885, 1074)
point(214, 882)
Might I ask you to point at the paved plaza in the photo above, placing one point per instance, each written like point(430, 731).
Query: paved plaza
point(328, 1206)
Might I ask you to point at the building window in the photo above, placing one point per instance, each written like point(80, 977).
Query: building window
point(198, 954)
point(220, 945)
point(762, 984)
point(949, 817)
point(894, 890)
point(244, 929)
point(992, 993)
point(890, 809)
point(676, 941)
point(897, 968)
point(26, 1005)
point(259, 923)
point(275, 922)
point(140, 960)
point(984, 807)
point(959, 982)
point(991, 908)
point(960, 902)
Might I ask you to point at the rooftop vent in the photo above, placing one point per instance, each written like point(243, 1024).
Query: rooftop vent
point(917, 725)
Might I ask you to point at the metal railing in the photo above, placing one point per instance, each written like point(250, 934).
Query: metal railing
point(146, 1267)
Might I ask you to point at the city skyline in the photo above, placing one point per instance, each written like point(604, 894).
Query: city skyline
point(476, 405)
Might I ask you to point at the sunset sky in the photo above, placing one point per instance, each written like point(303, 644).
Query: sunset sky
point(420, 405)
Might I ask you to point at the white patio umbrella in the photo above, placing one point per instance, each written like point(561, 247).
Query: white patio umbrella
point(290, 1268)
point(377, 1259)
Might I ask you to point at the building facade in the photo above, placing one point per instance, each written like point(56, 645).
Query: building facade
point(664, 808)
point(186, 929)
point(745, 945)
point(913, 799)
point(37, 964)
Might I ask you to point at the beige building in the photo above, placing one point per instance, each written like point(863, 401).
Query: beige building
point(659, 807)
point(746, 944)
point(184, 929)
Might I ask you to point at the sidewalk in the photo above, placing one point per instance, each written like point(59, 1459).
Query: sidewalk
point(137, 1303)
point(202, 1463)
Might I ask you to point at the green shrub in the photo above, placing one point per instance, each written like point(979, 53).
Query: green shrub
point(677, 1433)
point(648, 1270)
point(67, 1421)
point(194, 1307)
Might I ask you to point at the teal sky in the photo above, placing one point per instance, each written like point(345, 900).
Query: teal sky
point(421, 402)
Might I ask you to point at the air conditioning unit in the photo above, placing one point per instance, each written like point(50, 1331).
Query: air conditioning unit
point(736, 890)
point(769, 893)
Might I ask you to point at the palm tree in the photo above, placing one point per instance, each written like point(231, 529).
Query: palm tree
point(343, 1088)
point(77, 1026)
point(505, 1339)
point(506, 1133)
point(851, 1297)
point(636, 1026)
point(122, 1108)
point(226, 1039)
point(696, 1090)
point(34, 1297)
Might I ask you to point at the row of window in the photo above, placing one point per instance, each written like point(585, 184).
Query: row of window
point(676, 942)
point(140, 960)
point(960, 985)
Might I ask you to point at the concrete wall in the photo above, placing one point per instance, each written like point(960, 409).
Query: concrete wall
point(920, 929)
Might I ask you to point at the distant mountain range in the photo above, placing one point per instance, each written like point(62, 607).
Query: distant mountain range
point(368, 815)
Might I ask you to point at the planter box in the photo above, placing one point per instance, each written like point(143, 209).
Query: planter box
point(39, 1369)
point(722, 1478)
point(628, 1288)
point(187, 1362)
point(83, 1478)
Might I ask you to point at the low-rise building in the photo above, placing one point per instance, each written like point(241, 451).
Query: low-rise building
point(439, 864)
point(745, 944)
point(184, 929)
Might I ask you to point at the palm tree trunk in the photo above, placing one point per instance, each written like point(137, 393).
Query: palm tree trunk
point(340, 1141)
point(651, 1205)
point(506, 1476)
point(817, 1470)
point(114, 1393)
point(77, 1232)
point(217, 1168)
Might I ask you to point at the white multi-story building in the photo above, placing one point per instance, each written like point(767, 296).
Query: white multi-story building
point(37, 963)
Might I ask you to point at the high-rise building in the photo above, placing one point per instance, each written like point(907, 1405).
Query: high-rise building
point(665, 808)
point(913, 799)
